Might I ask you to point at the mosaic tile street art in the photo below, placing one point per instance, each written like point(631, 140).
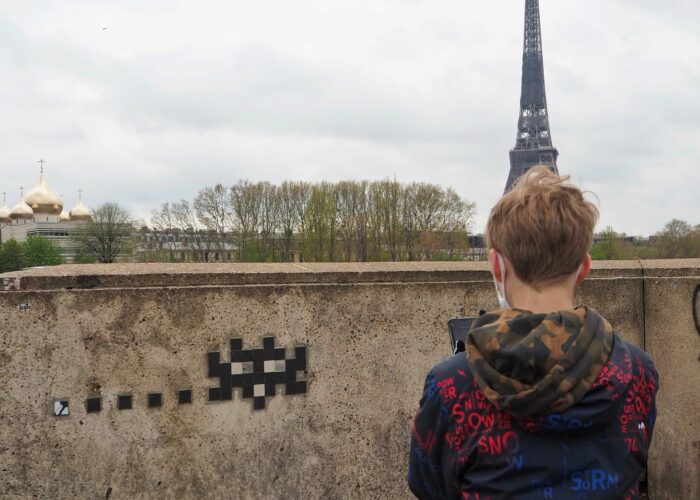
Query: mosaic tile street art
point(257, 373)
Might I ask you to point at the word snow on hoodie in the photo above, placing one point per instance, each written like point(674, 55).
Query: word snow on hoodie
point(543, 406)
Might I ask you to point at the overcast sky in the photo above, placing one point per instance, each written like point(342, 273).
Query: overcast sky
point(176, 95)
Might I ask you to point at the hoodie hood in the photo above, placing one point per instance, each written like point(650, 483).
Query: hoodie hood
point(535, 364)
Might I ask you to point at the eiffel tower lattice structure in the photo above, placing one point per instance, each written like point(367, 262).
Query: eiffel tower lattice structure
point(533, 145)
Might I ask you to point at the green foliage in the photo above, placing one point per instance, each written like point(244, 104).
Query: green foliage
point(39, 251)
point(678, 239)
point(610, 245)
point(10, 256)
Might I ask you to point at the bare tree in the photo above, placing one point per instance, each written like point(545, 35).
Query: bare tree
point(269, 221)
point(212, 205)
point(288, 217)
point(107, 234)
point(245, 200)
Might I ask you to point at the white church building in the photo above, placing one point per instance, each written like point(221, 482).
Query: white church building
point(40, 212)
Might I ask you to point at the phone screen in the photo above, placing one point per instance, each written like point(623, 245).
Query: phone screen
point(458, 329)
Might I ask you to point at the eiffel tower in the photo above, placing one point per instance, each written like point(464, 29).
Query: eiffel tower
point(533, 144)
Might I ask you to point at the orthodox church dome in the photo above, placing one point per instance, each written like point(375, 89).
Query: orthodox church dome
point(5, 214)
point(5, 211)
point(22, 211)
point(43, 199)
point(80, 211)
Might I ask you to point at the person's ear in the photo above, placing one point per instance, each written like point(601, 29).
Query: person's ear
point(584, 269)
point(495, 268)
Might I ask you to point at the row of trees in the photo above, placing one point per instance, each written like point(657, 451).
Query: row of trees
point(678, 239)
point(34, 251)
point(344, 221)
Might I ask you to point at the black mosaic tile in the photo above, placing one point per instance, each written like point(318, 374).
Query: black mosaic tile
point(184, 396)
point(290, 365)
point(259, 403)
point(124, 401)
point(275, 377)
point(236, 345)
point(155, 400)
point(214, 394)
point(247, 379)
point(300, 356)
point(295, 388)
point(268, 343)
point(213, 360)
point(247, 390)
point(93, 404)
point(269, 388)
point(225, 381)
point(278, 354)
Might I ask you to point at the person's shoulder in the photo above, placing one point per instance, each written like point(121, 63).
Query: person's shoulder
point(638, 361)
point(453, 371)
point(632, 351)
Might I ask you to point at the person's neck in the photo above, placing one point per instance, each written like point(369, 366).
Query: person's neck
point(550, 299)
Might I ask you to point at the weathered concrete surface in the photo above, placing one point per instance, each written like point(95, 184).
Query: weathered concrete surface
point(160, 275)
point(674, 344)
point(373, 331)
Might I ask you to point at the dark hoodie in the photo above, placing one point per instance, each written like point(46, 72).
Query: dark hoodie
point(544, 406)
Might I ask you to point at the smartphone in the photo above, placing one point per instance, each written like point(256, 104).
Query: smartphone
point(458, 329)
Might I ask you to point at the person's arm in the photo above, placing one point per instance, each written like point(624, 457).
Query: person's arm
point(425, 476)
point(653, 384)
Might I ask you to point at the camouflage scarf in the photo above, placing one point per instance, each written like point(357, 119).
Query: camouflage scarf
point(532, 364)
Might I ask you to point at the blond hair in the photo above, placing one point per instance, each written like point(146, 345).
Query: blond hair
point(544, 226)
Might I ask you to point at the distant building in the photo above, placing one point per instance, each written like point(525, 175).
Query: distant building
point(181, 246)
point(40, 213)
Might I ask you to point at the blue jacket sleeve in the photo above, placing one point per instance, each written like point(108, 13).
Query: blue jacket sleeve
point(425, 470)
point(651, 417)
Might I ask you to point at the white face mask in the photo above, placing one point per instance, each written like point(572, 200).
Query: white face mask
point(501, 287)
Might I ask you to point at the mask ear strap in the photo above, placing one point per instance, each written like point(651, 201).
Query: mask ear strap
point(502, 267)
point(578, 273)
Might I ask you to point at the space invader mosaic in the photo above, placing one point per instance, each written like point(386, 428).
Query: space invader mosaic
point(257, 372)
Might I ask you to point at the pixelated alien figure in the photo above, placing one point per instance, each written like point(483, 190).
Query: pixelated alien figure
point(257, 372)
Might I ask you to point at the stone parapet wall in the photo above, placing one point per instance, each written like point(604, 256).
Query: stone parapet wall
point(371, 333)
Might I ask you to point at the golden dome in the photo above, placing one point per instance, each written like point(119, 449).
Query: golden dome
point(43, 199)
point(22, 211)
point(64, 216)
point(80, 211)
point(5, 213)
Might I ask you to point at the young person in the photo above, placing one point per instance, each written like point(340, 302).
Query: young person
point(548, 402)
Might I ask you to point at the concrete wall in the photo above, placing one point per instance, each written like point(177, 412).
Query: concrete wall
point(372, 332)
